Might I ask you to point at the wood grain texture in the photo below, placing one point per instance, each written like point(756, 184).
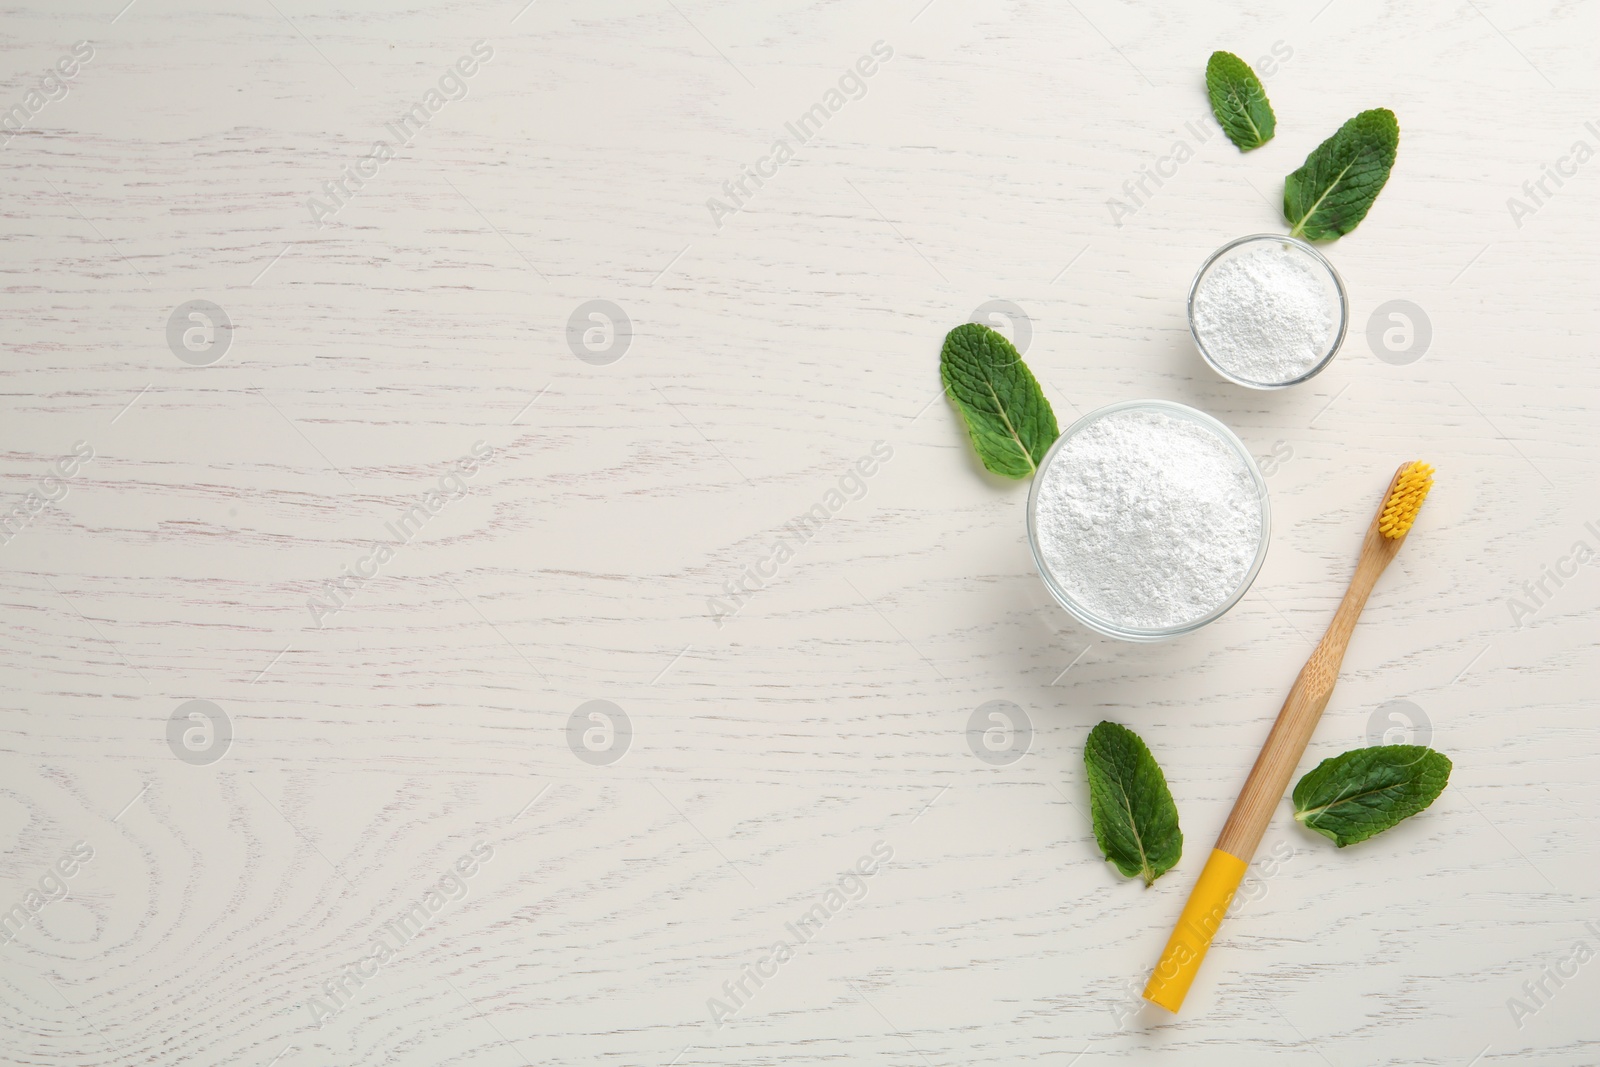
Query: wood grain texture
point(770, 753)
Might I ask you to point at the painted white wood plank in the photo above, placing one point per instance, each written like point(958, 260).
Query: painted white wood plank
point(370, 749)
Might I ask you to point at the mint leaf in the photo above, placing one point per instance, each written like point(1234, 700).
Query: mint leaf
point(1331, 192)
point(1135, 820)
point(1351, 797)
point(1239, 101)
point(1007, 416)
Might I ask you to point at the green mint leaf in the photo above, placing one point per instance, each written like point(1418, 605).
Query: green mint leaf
point(1239, 101)
point(1007, 415)
point(1350, 798)
point(1331, 192)
point(1135, 820)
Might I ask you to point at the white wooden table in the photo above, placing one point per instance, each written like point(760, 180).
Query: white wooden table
point(234, 873)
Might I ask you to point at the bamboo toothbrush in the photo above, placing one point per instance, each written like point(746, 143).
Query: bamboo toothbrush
point(1269, 778)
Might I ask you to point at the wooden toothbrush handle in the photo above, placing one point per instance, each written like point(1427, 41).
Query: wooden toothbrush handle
point(1297, 720)
point(1269, 779)
point(1280, 755)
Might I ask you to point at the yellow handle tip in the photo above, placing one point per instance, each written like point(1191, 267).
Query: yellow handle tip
point(1208, 903)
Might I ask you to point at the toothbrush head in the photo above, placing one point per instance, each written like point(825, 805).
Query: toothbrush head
point(1405, 499)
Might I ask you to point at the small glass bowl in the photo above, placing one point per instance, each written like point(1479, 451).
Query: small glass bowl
point(1107, 626)
point(1233, 248)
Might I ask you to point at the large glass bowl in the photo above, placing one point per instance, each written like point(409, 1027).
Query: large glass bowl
point(1110, 627)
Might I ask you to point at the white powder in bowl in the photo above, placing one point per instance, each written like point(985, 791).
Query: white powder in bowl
point(1266, 312)
point(1147, 520)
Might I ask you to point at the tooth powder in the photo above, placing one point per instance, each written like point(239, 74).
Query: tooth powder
point(1147, 520)
point(1266, 313)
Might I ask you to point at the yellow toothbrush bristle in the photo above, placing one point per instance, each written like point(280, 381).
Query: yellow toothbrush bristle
point(1405, 500)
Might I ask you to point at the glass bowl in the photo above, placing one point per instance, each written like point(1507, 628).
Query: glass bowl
point(1336, 292)
point(1110, 627)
